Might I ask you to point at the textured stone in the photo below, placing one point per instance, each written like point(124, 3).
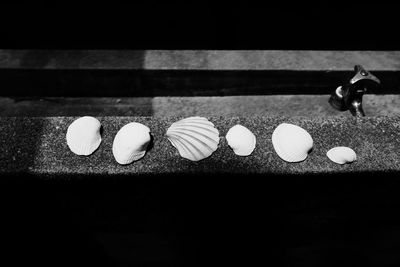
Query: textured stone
point(199, 59)
point(37, 146)
point(227, 106)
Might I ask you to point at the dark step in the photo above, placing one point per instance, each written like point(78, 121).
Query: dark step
point(188, 73)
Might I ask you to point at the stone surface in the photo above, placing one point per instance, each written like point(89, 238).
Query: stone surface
point(227, 106)
point(37, 146)
point(199, 59)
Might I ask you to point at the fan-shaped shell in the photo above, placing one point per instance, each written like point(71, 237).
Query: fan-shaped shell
point(195, 138)
point(83, 135)
point(130, 143)
point(241, 140)
point(341, 155)
point(291, 142)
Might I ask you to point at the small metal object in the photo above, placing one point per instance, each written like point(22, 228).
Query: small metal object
point(349, 96)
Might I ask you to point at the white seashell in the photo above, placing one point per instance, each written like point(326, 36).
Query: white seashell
point(291, 142)
point(241, 140)
point(83, 135)
point(341, 155)
point(130, 143)
point(195, 138)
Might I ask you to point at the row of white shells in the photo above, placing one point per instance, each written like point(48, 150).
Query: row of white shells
point(196, 138)
point(130, 143)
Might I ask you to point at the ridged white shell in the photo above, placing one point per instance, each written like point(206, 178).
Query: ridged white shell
point(83, 135)
point(291, 142)
point(196, 138)
point(241, 140)
point(130, 143)
point(342, 155)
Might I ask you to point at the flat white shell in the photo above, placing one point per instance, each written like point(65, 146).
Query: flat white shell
point(342, 155)
point(241, 140)
point(130, 143)
point(83, 135)
point(291, 142)
point(195, 138)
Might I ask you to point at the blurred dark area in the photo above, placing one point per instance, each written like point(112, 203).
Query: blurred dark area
point(172, 220)
point(193, 220)
point(205, 25)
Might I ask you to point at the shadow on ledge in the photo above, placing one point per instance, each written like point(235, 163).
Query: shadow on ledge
point(151, 83)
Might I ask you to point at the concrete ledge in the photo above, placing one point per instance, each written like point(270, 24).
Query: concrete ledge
point(225, 106)
point(301, 60)
point(37, 146)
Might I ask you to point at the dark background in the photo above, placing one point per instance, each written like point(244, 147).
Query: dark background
point(294, 221)
point(205, 25)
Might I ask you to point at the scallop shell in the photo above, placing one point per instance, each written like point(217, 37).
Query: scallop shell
point(196, 138)
point(130, 143)
point(241, 140)
point(342, 155)
point(83, 135)
point(291, 142)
